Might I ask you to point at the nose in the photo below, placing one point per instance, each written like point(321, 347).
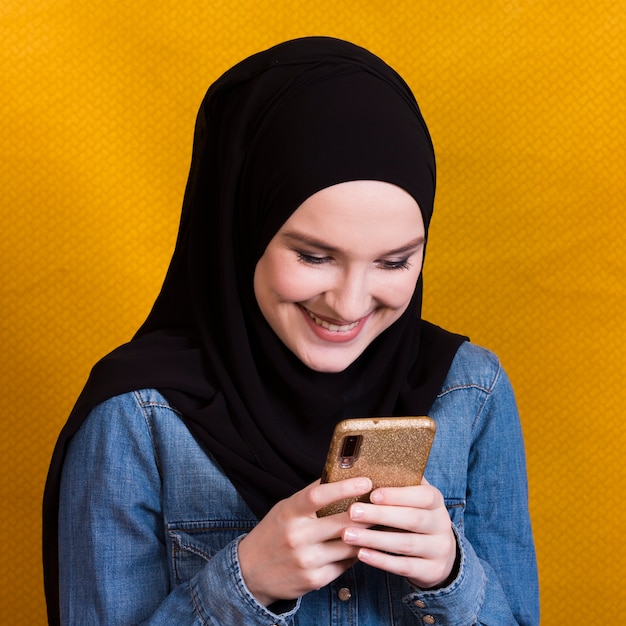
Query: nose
point(350, 297)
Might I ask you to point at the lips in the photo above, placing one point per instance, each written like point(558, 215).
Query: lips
point(334, 328)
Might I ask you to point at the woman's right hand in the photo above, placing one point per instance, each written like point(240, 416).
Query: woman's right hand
point(291, 551)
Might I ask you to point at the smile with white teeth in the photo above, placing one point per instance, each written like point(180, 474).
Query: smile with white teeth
point(335, 328)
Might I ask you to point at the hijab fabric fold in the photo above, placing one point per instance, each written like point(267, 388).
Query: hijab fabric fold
point(273, 130)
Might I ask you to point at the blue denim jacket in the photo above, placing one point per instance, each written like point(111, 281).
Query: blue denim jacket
point(149, 524)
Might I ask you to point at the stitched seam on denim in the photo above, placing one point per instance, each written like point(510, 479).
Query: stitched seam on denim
point(454, 504)
point(191, 526)
point(488, 395)
point(157, 404)
point(187, 547)
point(197, 605)
point(448, 390)
point(147, 416)
point(162, 405)
point(175, 552)
point(488, 389)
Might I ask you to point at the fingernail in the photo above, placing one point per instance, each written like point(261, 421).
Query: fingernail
point(376, 496)
point(365, 484)
point(364, 554)
point(356, 511)
point(349, 535)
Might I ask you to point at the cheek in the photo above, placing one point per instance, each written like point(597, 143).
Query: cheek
point(397, 293)
point(284, 279)
point(292, 286)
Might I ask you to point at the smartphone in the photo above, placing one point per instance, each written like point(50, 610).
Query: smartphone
point(391, 451)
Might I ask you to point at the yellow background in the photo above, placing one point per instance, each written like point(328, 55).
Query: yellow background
point(526, 103)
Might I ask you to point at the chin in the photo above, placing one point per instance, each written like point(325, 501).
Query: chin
point(327, 369)
point(328, 365)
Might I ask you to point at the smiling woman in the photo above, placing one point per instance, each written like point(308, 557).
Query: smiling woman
point(340, 271)
point(185, 485)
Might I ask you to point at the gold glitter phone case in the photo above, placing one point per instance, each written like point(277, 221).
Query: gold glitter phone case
point(391, 451)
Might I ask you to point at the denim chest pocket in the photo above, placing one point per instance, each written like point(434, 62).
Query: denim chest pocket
point(194, 543)
point(456, 508)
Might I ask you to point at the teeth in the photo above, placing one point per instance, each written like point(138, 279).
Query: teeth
point(335, 328)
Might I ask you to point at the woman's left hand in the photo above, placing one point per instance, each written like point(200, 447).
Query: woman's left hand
point(425, 554)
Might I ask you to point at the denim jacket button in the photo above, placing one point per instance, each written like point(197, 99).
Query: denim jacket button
point(344, 594)
point(428, 619)
point(420, 604)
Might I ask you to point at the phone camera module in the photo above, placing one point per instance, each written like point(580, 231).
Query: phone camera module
point(350, 450)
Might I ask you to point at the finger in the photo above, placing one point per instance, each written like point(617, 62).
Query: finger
point(316, 496)
point(423, 558)
point(394, 542)
point(315, 579)
point(412, 519)
point(321, 554)
point(419, 496)
point(425, 572)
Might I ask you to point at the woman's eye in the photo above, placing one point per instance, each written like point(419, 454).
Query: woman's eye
point(402, 264)
point(311, 259)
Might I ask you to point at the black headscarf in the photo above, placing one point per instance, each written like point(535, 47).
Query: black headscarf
point(276, 128)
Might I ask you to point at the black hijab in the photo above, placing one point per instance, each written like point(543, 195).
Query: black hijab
point(273, 130)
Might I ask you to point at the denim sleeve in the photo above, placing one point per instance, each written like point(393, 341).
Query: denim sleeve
point(497, 581)
point(113, 560)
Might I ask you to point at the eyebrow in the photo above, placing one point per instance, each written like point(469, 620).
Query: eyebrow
point(295, 237)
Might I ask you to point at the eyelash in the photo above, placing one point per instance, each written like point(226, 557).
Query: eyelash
point(311, 259)
point(403, 264)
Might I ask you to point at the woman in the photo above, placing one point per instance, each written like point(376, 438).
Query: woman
point(184, 487)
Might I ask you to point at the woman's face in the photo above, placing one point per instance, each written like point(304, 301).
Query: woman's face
point(341, 270)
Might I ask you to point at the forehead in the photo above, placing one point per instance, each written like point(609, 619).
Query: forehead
point(373, 215)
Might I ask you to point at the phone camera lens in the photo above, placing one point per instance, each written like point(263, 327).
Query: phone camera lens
point(349, 451)
point(349, 446)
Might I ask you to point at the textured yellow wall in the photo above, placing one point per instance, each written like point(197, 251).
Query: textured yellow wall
point(525, 100)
